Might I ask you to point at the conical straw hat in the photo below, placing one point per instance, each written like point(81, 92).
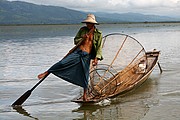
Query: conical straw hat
point(90, 19)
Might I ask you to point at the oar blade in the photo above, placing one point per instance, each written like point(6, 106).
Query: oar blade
point(23, 98)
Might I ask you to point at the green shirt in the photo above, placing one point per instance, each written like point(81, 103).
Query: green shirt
point(97, 41)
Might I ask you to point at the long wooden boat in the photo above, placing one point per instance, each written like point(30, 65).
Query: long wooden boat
point(126, 65)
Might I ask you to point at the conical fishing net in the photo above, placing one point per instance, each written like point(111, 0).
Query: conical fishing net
point(121, 53)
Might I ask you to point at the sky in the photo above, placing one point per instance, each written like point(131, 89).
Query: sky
point(152, 7)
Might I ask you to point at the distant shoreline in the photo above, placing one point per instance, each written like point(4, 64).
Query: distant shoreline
point(100, 23)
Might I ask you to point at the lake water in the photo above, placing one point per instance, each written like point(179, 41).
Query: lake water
point(26, 51)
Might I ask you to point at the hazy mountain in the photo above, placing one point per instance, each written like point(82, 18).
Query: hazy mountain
point(17, 12)
point(26, 13)
point(134, 17)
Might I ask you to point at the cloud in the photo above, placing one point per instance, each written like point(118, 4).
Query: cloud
point(159, 7)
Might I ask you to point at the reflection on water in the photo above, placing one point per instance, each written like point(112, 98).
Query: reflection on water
point(132, 106)
point(20, 110)
point(26, 51)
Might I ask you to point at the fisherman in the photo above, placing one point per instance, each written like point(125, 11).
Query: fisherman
point(75, 67)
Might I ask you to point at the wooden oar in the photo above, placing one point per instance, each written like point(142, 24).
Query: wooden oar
point(23, 98)
point(160, 67)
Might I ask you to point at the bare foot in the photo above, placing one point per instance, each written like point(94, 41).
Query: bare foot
point(84, 98)
point(42, 75)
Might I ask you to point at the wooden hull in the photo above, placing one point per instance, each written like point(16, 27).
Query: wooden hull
point(122, 82)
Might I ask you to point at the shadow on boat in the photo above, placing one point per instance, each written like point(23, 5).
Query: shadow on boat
point(22, 111)
point(133, 105)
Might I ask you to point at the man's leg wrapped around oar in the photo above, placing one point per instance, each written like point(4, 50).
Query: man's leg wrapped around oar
point(74, 68)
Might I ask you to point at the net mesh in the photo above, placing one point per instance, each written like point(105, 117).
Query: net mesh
point(120, 52)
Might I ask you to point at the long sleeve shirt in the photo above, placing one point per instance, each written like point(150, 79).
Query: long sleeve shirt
point(97, 41)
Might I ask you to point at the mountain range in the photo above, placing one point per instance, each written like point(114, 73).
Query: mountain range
point(17, 12)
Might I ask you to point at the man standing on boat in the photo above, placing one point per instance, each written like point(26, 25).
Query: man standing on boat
point(75, 67)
